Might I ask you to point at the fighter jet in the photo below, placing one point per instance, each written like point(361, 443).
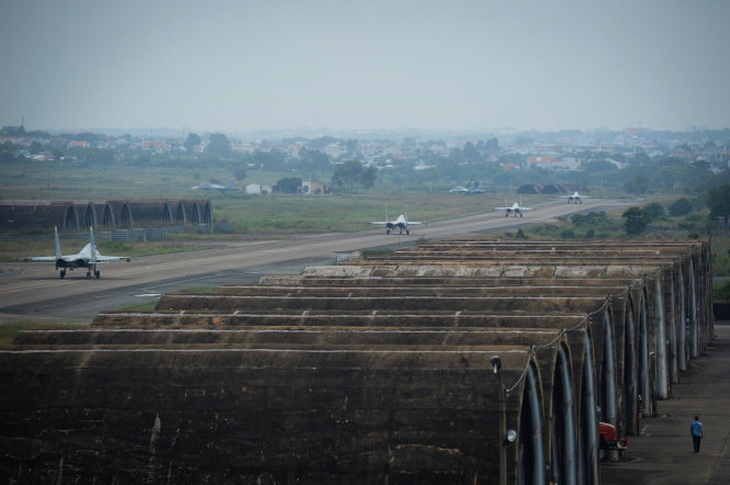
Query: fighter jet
point(87, 258)
point(513, 209)
point(576, 197)
point(401, 223)
point(473, 188)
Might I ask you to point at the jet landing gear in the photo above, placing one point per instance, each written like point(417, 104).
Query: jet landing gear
point(96, 273)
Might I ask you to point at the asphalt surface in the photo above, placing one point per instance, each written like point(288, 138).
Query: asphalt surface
point(663, 453)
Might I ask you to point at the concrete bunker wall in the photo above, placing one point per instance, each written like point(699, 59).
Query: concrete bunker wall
point(266, 396)
point(34, 214)
point(70, 215)
point(337, 376)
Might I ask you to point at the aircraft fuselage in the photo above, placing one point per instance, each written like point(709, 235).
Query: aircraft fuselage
point(401, 227)
point(71, 264)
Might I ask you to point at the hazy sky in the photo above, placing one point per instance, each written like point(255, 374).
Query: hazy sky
point(234, 65)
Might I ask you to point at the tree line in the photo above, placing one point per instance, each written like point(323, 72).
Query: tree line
point(621, 169)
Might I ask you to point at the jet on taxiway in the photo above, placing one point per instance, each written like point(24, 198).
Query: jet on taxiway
point(89, 257)
point(401, 223)
point(513, 209)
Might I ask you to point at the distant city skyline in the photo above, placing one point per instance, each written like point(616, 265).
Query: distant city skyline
point(469, 65)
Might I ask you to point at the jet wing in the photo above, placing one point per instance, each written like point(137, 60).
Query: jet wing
point(39, 258)
point(68, 257)
point(107, 259)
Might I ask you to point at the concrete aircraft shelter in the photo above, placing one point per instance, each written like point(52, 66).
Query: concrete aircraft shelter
point(411, 367)
point(109, 214)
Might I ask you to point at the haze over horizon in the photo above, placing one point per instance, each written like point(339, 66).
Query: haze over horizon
point(227, 65)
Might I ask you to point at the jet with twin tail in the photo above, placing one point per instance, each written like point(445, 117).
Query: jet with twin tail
point(575, 198)
point(473, 188)
point(513, 209)
point(89, 257)
point(401, 223)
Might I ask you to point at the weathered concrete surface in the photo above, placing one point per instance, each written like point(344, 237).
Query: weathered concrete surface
point(415, 304)
point(286, 337)
point(299, 318)
point(236, 416)
point(663, 454)
point(402, 291)
point(443, 282)
point(368, 383)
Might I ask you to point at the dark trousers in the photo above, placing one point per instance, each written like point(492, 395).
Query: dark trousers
point(696, 442)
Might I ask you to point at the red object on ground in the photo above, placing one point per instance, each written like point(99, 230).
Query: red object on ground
point(609, 436)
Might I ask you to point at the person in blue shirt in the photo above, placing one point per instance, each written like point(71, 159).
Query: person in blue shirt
point(696, 429)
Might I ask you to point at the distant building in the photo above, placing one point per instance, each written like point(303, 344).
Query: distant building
point(78, 144)
point(256, 189)
point(156, 146)
point(314, 188)
point(554, 163)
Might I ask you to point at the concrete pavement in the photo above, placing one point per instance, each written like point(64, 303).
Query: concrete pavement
point(663, 453)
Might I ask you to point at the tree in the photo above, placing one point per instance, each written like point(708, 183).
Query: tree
point(592, 219)
point(368, 177)
point(636, 221)
point(680, 207)
point(36, 147)
point(270, 160)
point(289, 185)
point(353, 172)
point(7, 152)
point(314, 160)
point(192, 141)
point(654, 211)
point(470, 152)
point(637, 185)
point(492, 146)
point(718, 201)
point(239, 171)
point(218, 144)
point(670, 173)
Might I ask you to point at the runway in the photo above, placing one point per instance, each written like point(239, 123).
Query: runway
point(33, 291)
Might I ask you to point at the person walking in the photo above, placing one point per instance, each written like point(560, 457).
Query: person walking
point(696, 429)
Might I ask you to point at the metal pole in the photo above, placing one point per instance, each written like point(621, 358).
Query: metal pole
point(502, 432)
point(497, 365)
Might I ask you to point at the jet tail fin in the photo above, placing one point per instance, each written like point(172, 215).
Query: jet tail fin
point(58, 243)
point(92, 244)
